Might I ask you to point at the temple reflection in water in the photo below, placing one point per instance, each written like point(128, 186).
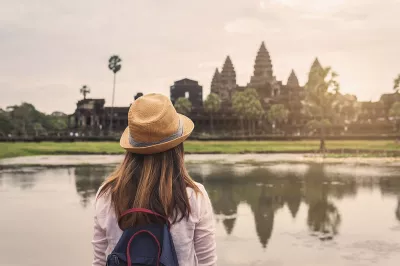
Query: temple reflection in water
point(266, 190)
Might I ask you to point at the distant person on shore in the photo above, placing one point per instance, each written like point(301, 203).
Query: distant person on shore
point(149, 211)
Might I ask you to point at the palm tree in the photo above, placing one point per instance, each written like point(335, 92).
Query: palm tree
point(183, 105)
point(320, 103)
point(247, 105)
point(84, 91)
point(254, 109)
point(212, 105)
point(277, 114)
point(397, 84)
point(114, 64)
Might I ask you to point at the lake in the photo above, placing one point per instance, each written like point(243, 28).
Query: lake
point(274, 214)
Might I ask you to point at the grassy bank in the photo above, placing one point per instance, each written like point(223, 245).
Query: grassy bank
point(8, 150)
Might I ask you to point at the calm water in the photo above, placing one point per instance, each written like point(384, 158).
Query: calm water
point(282, 214)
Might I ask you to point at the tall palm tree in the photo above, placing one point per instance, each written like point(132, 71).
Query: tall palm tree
point(212, 105)
point(84, 91)
point(320, 103)
point(114, 64)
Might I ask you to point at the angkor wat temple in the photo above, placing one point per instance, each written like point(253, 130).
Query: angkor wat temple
point(93, 118)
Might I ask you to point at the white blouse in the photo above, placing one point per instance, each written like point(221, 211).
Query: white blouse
point(194, 238)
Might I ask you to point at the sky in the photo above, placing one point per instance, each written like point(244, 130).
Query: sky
point(50, 48)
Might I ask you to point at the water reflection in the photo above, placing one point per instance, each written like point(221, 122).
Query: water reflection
point(87, 181)
point(266, 191)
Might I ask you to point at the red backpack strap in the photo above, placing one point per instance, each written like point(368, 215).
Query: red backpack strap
point(143, 210)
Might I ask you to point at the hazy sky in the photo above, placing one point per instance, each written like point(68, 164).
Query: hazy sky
point(50, 48)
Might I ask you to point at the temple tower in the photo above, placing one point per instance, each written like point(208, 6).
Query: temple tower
point(263, 78)
point(216, 82)
point(263, 72)
point(227, 80)
point(293, 81)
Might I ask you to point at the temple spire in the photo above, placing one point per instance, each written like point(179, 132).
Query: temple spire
point(263, 72)
point(293, 81)
point(316, 65)
point(216, 81)
point(227, 80)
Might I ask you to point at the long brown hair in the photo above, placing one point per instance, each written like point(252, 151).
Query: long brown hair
point(157, 182)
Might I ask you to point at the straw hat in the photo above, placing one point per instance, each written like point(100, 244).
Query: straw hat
point(154, 126)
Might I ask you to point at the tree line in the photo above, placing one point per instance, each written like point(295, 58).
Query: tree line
point(24, 120)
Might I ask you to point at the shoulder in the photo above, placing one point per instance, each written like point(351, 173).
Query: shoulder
point(197, 196)
point(102, 203)
point(199, 202)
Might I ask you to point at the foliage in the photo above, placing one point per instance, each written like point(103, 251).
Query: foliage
point(246, 104)
point(84, 91)
point(114, 63)
point(321, 101)
point(183, 106)
point(277, 113)
point(6, 125)
point(25, 120)
point(395, 110)
point(395, 113)
point(239, 103)
point(212, 104)
point(347, 109)
point(253, 109)
point(397, 83)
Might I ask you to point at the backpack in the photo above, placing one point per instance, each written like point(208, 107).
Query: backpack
point(149, 244)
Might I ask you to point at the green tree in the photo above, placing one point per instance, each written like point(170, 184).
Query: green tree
point(247, 105)
point(320, 103)
point(114, 64)
point(277, 114)
point(254, 110)
point(183, 106)
point(57, 122)
point(239, 106)
point(397, 84)
point(212, 105)
point(38, 128)
point(6, 125)
point(348, 108)
point(394, 113)
point(25, 120)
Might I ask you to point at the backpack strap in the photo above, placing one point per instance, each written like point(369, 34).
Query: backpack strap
point(128, 253)
point(143, 210)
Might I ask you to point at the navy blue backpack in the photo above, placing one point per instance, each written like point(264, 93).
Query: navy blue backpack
point(149, 244)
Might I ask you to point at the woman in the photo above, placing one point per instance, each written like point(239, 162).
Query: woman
point(153, 176)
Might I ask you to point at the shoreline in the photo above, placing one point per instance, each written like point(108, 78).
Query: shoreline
point(345, 149)
point(254, 159)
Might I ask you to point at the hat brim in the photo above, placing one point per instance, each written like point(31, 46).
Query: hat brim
point(188, 127)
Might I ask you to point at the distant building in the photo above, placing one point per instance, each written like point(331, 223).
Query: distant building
point(187, 88)
point(93, 117)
